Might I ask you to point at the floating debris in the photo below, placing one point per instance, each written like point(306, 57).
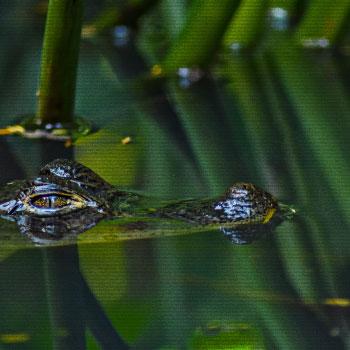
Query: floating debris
point(126, 140)
point(88, 31)
point(339, 302)
point(14, 338)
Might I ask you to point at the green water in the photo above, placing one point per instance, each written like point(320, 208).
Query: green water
point(278, 119)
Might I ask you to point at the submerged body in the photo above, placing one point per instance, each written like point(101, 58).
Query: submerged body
point(67, 195)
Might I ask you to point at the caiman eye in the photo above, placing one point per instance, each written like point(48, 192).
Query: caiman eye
point(42, 202)
point(52, 201)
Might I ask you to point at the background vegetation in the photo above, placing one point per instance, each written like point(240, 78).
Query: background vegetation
point(210, 92)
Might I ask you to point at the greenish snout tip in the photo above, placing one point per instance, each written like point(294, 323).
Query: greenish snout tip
point(286, 211)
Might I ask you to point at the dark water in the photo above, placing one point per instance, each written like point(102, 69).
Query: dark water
point(279, 120)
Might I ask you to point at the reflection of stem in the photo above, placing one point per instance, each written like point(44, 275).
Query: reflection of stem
point(59, 61)
point(64, 297)
point(98, 323)
point(72, 305)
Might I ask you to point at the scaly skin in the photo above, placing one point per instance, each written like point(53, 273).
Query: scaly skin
point(243, 203)
point(67, 195)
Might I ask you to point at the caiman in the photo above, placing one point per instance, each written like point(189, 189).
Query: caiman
point(67, 198)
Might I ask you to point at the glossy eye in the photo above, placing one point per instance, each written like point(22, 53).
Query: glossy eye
point(51, 201)
point(54, 203)
point(42, 202)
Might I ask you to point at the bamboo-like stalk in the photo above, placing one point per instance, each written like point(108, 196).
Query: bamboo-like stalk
point(59, 61)
point(201, 35)
point(247, 25)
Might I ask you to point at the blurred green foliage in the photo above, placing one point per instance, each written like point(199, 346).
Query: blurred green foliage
point(269, 105)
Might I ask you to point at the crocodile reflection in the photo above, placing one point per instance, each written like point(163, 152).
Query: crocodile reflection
point(68, 198)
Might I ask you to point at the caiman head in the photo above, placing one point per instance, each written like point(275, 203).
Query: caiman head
point(63, 186)
point(65, 198)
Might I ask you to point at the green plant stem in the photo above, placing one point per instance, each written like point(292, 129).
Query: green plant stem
point(247, 24)
point(201, 35)
point(59, 61)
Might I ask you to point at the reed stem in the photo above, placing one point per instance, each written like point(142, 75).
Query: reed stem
point(59, 62)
